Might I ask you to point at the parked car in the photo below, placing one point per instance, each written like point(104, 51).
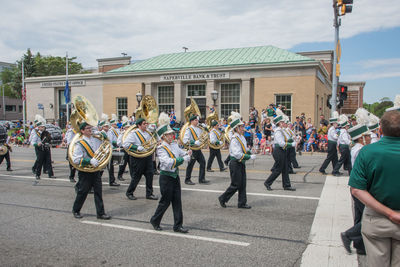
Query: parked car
point(3, 134)
point(8, 124)
point(56, 134)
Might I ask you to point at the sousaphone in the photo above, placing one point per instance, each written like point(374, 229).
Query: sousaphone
point(189, 111)
point(85, 112)
point(148, 110)
point(214, 116)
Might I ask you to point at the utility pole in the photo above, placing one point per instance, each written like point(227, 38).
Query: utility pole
point(340, 8)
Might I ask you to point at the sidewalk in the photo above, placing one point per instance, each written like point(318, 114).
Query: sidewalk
point(333, 216)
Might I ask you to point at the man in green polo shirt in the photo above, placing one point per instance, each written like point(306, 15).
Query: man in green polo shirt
point(375, 181)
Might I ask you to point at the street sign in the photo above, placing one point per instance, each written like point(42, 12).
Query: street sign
point(40, 106)
point(338, 51)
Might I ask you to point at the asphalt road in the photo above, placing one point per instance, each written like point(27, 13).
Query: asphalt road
point(37, 227)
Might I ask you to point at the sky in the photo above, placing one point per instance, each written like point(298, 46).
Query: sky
point(88, 30)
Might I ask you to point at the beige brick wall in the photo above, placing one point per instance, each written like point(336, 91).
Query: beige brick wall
point(302, 89)
point(112, 91)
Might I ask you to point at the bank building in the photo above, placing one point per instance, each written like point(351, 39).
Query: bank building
point(234, 79)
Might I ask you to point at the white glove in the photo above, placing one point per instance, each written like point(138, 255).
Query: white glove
point(140, 148)
point(151, 127)
point(203, 125)
point(253, 157)
point(197, 143)
point(186, 158)
point(94, 162)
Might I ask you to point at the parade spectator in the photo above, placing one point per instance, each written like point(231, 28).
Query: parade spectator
point(172, 118)
point(323, 142)
point(311, 143)
point(252, 121)
point(323, 121)
point(271, 111)
point(374, 181)
point(323, 129)
point(309, 124)
point(248, 134)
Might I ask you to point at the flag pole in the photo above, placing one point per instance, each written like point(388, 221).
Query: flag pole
point(23, 97)
point(67, 86)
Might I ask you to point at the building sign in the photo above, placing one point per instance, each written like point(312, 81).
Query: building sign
point(62, 83)
point(195, 76)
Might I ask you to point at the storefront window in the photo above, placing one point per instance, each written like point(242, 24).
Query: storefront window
point(230, 99)
point(165, 98)
point(122, 107)
point(196, 90)
point(285, 100)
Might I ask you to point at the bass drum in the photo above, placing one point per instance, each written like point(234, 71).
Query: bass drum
point(117, 157)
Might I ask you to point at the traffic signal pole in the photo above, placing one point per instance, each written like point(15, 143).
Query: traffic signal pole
point(335, 77)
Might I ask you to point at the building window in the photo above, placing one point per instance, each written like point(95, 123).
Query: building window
point(196, 90)
point(11, 108)
point(20, 109)
point(285, 100)
point(230, 98)
point(122, 107)
point(165, 98)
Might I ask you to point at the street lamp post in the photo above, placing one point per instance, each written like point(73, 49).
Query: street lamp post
point(139, 98)
point(214, 96)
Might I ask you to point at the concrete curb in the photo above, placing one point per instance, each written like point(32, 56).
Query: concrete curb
point(333, 216)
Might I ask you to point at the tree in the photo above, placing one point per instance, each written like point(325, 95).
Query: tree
point(37, 66)
point(378, 108)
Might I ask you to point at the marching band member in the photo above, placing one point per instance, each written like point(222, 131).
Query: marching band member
point(191, 137)
point(83, 156)
point(112, 135)
point(125, 126)
point(105, 129)
point(373, 127)
point(332, 144)
point(344, 147)
point(234, 116)
point(360, 135)
point(170, 156)
point(139, 166)
point(41, 141)
point(280, 156)
point(6, 155)
point(215, 138)
point(239, 153)
point(292, 150)
point(69, 135)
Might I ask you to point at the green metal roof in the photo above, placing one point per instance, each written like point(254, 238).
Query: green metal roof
point(215, 58)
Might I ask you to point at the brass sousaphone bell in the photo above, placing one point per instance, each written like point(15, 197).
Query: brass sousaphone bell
point(85, 112)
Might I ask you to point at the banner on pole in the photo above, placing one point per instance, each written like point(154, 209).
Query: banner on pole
point(67, 93)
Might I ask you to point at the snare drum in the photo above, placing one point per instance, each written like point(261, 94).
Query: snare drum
point(117, 157)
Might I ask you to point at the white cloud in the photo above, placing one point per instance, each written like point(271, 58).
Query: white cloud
point(373, 63)
point(371, 75)
point(98, 29)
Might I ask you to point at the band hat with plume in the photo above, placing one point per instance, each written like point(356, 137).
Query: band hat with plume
point(139, 121)
point(358, 131)
point(334, 118)
point(214, 122)
point(373, 123)
point(362, 118)
point(280, 116)
point(194, 117)
point(125, 121)
point(163, 122)
point(104, 120)
point(236, 120)
point(343, 120)
point(114, 119)
point(39, 120)
point(396, 104)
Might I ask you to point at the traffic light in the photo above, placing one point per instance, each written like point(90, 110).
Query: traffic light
point(344, 6)
point(343, 92)
point(328, 102)
point(340, 103)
